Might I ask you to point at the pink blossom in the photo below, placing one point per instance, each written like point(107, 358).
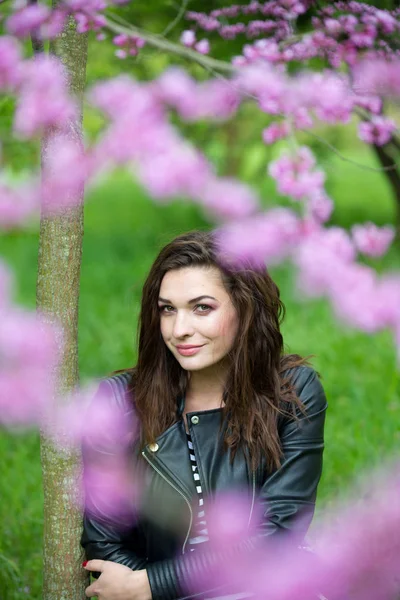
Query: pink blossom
point(64, 173)
point(43, 101)
point(275, 131)
point(188, 38)
point(178, 170)
point(10, 63)
point(371, 103)
point(202, 46)
point(321, 258)
point(265, 83)
point(109, 490)
point(6, 284)
point(17, 204)
point(265, 238)
point(327, 94)
point(387, 301)
point(128, 44)
point(376, 76)
point(54, 25)
point(294, 176)
point(372, 240)
point(378, 130)
point(228, 199)
point(91, 418)
point(89, 22)
point(302, 118)
point(177, 89)
point(349, 560)
point(353, 297)
point(27, 20)
point(28, 353)
point(120, 53)
point(86, 6)
point(320, 207)
point(115, 96)
point(193, 101)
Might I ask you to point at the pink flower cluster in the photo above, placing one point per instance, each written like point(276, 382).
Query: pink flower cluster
point(188, 39)
point(165, 164)
point(43, 99)
point(263, 238)
point(36, 19)
point(377, 76)
point(296, 175)
point(28, 352)
point(378, 130)
point(298, 178)
point(127, 45)
point(17, 204)
point(372, 240)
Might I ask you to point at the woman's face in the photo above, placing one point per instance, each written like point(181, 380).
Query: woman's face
point(196, 311)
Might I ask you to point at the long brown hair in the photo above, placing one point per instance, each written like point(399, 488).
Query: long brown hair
point(256, 393)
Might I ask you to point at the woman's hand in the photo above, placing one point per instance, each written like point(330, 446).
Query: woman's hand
point(117, 582)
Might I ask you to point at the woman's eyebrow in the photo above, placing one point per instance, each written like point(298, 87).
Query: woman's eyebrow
point(190, 301)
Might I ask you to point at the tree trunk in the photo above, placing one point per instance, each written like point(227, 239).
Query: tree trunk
point(57, 295)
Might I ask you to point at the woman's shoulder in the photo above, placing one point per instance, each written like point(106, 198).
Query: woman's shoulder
point(116, 388)
point(308, 387)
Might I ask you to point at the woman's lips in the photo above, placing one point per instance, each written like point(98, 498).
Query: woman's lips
point(188, 351)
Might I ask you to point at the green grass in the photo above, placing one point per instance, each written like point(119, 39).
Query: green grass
point(123, 232)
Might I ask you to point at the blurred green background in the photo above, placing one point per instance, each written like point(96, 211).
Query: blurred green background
point(124, 229)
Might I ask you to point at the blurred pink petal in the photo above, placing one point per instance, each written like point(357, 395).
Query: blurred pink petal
point(64, 173)
point(109, 491)
point(377, 131)
point(43, 101)
point(18, 204)
point(267, 238)
point(227, 198)
point(373, 240)
point(26, 21)
point(93, 420)
point(10, 63)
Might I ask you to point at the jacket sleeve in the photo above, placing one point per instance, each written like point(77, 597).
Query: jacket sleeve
point(287, 495)
point(101, 538)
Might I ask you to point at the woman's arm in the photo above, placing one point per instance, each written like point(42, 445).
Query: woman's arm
point(287, 495)
point(102, 539)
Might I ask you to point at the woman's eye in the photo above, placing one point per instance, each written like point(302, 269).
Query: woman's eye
point(203, 307)
point(164, 308)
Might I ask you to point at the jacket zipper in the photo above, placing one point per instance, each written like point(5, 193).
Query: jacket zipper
point(179, 492)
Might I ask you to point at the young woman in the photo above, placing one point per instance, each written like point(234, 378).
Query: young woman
point(220, 408)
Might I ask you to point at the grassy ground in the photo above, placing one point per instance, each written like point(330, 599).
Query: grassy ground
point(123, 233)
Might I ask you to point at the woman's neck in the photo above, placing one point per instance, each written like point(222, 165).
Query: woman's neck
point(204, 390)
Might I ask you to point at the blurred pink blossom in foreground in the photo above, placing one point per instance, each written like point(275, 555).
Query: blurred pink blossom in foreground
point(28, 353)
point(356, 553)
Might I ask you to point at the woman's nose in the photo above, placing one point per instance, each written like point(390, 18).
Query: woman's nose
point(182, 325)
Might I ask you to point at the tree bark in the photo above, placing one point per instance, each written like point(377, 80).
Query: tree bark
point(57, 296)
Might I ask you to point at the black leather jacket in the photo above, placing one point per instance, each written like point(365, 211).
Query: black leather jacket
point(159, 538)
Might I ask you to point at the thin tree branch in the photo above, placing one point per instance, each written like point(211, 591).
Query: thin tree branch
point(158, 41)
point(37, 43)
point(178, 17)
point(388, 167)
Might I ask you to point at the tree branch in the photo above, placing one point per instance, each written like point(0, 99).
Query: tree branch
point(178, 17)
point(37, 43)
point(157, 41)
